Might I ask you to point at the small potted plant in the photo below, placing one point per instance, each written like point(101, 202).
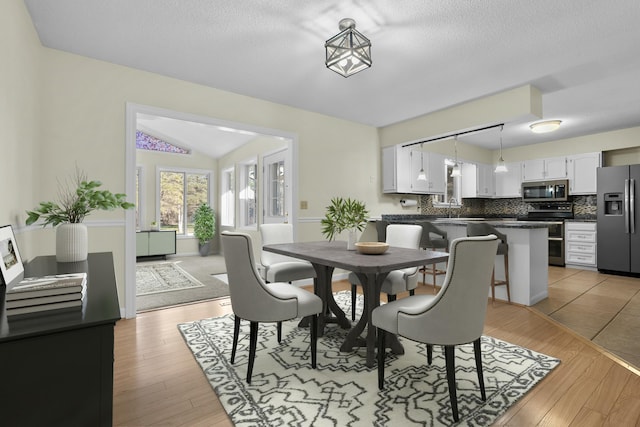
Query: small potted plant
point(77, 198)
point(204, 227)
point(344, 214)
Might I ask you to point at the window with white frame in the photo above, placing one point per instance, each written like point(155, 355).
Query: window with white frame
point(247, 196)
point(180, 194)
point(227, 198)
point(276, 189)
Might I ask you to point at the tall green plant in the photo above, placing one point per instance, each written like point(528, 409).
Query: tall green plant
point(77, 198)
point(344, 214)
point(204, 226)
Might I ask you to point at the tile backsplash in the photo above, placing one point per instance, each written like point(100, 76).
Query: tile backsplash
point(583, 207)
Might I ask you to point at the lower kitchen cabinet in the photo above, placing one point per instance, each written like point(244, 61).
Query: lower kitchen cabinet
point(580, 244)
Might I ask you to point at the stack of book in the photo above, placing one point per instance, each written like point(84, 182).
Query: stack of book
point(37, 294)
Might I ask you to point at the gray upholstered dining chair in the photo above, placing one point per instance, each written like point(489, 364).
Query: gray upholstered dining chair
point(483, 229)
point(255, 301)
point(433, 238)
point(280, 268)
point(454, 316)
point(406, 279)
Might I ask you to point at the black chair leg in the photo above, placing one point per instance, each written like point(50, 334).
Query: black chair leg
point(314, 340)
point(429, 353)
point(353, 302)
point(412, 292)
point(451, 379)
point(381, 357)
point(236, 331)
point(253, 341)
point(391, 298)
point(478, 355)
point(279, 332)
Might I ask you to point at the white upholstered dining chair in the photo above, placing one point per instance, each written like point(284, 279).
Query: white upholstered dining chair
point(255, 301)
point(406, 279)
point(454, 316)
point(280, 268)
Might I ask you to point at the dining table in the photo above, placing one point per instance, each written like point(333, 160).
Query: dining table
point(326, 256)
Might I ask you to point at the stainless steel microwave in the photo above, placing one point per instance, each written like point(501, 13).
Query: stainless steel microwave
point(545, 191)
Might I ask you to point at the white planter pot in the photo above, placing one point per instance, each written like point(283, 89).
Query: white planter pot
point(72, 242)
point(353, 238)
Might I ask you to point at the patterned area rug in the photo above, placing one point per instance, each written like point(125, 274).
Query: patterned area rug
point(163, 277)
point(343, 392)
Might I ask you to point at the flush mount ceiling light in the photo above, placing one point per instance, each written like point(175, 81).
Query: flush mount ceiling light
point(545, 126)
point(348, 52)
point(501, 167)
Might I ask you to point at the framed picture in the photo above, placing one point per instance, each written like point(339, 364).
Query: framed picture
point(11, 266)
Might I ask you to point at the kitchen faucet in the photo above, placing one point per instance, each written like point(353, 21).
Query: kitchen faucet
point(451, 200)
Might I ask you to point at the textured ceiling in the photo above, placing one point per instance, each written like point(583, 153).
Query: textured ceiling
point(584, 55)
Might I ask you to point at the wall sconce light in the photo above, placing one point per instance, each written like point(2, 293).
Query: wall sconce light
point(545, 126)
point(348, 52)
point(501, 167)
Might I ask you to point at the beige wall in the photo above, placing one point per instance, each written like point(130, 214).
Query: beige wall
point(20, 86)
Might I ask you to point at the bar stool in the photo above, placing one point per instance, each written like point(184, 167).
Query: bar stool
point(433, 238)
point(482, 229)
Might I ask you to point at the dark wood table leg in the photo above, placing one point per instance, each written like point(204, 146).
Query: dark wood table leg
point(371, 285)
point(331, 310)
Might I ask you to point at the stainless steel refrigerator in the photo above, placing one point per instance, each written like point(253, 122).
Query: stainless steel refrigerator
point(618, 225)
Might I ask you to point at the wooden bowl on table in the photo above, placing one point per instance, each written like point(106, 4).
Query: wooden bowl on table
point(372, 248)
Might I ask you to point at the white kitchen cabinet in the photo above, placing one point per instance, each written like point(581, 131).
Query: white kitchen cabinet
point(476, 180)
point(401, 166)
point(580, 244)
point(509, 184)
point(436, 173)
point(543, 169)
point(486, 178)
point(395, 166)
point(582, 172)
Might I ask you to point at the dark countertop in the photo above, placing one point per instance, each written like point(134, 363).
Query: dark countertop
point(462, 222)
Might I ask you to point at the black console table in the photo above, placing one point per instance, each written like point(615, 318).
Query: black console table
point(56, 368)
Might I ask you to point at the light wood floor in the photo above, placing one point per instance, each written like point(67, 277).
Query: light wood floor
point(158, 382)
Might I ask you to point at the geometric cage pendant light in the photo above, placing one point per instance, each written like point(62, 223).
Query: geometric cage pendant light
point(348, 52)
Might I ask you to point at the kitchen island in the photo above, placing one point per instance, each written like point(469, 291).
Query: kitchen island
point(528, 253)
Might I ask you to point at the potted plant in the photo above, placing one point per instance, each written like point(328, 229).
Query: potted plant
point(77, 198)
point(204, 227)
point(344, 214)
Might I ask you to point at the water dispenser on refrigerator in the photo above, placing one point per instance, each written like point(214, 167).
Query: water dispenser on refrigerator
point(613, 204)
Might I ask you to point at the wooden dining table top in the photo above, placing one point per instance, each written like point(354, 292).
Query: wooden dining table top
point(335, 254)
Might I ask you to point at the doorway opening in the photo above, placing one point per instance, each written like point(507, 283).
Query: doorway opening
point(141, 116)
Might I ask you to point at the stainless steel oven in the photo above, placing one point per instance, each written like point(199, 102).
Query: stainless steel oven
point(554, 215)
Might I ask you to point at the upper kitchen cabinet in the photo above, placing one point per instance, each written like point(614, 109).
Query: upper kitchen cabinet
point(477, 180)
point(582, 173)
point(396, 163)
point(509, 184)
point(401, 166)
point(435, 170)
point(543, 169)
